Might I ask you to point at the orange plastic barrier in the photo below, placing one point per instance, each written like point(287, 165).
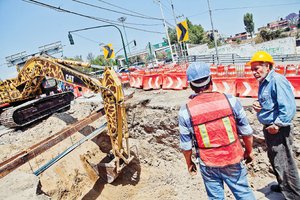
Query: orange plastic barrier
point(291, 70)
point(152, 81)
point(175, 81)
point(246, 87)
point(224, 85)
point(213, 70)
point(295, 81)
point(221, 71)
point(247, 71)
point(231, 71)
point(280, 69)
point(136, 80)
point(124, 77)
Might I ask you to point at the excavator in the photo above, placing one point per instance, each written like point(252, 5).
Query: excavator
point(21, 104)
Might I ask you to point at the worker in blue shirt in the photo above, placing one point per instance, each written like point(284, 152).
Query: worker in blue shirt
point(212, 122)
point(275, 109)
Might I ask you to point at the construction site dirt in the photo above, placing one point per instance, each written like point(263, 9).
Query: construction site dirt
point(158, 170)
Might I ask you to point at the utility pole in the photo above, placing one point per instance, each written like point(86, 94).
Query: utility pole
point(176, 25)
point(213, 30)
point(166, 28)
point(122, 19)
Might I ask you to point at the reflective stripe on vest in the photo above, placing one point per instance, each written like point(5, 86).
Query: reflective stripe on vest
point(228, 127)
point(204, 135)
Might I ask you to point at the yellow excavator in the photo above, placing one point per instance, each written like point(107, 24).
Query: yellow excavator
point(21, 102)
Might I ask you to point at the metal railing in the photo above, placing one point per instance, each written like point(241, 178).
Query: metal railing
point(235, 58)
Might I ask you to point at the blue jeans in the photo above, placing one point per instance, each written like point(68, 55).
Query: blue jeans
point(235, 176)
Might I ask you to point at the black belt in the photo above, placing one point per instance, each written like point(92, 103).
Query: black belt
point(267, 125)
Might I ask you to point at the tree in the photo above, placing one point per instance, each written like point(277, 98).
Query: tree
point(76, 58)
point(265, 35)
point(197, 34)
point(90, 57)
point(292, 18)
point(249, 24)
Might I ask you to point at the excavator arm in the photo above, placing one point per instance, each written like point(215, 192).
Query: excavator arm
point(27, 85)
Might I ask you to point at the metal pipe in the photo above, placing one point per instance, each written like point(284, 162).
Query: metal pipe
point(71, 148)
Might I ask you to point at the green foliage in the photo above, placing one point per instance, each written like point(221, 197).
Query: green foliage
point(197, 34)
point(249, 24)
point(100, 60)
point(270, 35)
point(76, 58)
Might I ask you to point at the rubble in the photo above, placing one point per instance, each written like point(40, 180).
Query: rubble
point(158, 170)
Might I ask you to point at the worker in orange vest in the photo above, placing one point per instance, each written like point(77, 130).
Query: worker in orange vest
point(276, 108)
point(212, 122)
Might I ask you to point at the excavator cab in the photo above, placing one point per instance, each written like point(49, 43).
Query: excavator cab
point(48, 86)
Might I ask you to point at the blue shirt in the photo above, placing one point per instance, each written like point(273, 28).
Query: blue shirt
point(186, 129)
point(277, 100)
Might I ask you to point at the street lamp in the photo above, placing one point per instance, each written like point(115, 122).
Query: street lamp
point(122, 19)
point(108, 25)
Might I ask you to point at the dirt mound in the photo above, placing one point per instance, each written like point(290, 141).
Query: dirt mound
point(158, 170)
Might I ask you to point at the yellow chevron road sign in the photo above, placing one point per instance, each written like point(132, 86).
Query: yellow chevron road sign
point(108, 51)
point(182, 31)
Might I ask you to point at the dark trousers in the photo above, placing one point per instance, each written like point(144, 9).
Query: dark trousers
point(281, 158)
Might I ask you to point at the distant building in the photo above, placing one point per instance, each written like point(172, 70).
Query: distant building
point(239, 36)
point(209, 33)
point(276, 25)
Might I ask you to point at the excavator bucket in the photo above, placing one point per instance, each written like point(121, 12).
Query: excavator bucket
point(108, 169)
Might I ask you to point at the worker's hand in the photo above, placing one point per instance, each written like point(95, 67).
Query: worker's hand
point(256, 106)
point(192, 169)
point(273, 129)
point(248, 157)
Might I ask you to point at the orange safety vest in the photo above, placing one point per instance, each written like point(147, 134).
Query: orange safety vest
point(215, 129)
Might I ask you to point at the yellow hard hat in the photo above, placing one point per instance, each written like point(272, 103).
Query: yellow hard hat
point(262, 56)
point(248, 63)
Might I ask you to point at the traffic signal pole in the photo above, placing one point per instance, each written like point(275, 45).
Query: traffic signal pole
point(108, 25)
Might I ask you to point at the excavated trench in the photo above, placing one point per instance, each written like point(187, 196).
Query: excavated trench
point(158, 170)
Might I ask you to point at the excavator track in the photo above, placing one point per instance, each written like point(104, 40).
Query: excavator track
point(36, 109)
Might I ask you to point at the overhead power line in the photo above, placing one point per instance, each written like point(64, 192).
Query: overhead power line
point(124, 8)
point(86, 16)
point(247, 7)
point(94, 41)
point(113, 21)
point(107, 9)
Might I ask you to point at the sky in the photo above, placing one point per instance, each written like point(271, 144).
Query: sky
point(25, 26)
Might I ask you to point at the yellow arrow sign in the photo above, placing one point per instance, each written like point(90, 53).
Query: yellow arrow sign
point(108, 51)
point(182, 31)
